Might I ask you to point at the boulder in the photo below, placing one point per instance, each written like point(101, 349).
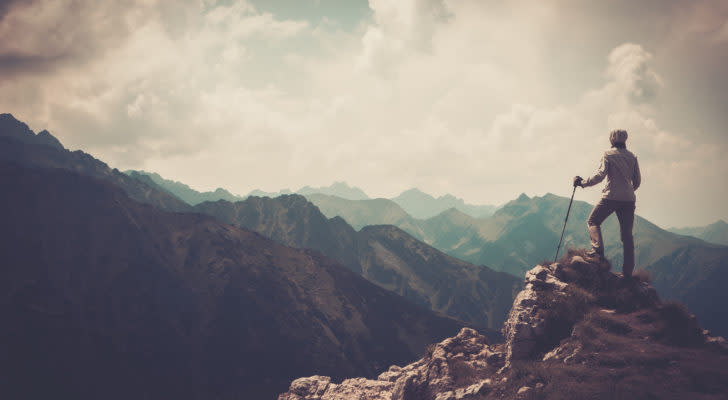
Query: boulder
point(439, 375)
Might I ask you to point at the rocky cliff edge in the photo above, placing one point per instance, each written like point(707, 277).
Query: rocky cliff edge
point(576, 330)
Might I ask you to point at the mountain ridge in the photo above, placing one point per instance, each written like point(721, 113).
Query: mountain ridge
point(408, 200)
point(106, 297)
point(385, 255)
point(716, 233)
point(181, 190)
point(525, 231)
point(18, 144)
point(422, 205)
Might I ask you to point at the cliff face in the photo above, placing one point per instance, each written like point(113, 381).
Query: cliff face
point(575, 331)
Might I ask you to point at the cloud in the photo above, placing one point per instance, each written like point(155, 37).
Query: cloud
point(479, 99)
point(630, 70)
point(49, 34)
point(400, 28)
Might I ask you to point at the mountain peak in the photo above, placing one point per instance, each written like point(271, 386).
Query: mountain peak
point(45, 137)
point(18, 130)
point(11, 127)
point(449, 197)
point(339, 189)
point(573, 318)
point(451, 213)
point(414, 191)
point(423, 206)
point(9, 118)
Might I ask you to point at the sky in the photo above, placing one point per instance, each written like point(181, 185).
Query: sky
point(481, 99)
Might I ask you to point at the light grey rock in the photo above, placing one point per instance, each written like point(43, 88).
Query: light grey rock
point(428, 378)
point(312, 387)
point(524, 326)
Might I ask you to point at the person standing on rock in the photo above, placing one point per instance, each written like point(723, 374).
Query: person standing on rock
point(622, 171)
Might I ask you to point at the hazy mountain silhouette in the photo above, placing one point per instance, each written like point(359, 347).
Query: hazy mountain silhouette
point(413, 202)
point(339, 189)
point(385, 255)
point(422, 205)
point(104, 297)
point(716, 233)
point(18, 144)
point(361, 213)
point(182, 191)
point(261, 193)
point(194, 197)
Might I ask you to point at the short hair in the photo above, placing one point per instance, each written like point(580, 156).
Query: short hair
point(618, 136)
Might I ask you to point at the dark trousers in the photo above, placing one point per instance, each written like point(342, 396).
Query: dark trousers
point(625, 214)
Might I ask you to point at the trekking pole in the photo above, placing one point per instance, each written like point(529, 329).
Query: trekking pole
point(565, 220)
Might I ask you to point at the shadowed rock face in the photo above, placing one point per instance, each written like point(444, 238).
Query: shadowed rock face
point(396, 261)
point(104, 297)
point(575, 331)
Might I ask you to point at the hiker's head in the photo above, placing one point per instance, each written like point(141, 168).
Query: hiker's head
point(618, 138)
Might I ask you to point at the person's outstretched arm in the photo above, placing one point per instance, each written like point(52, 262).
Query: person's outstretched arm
point(637, 177)
point(601, 173)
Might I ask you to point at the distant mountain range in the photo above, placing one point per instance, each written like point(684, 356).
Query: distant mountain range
point(384, 254)
point(361, 213)
point(422, 205)
point(182, 191)
point(716, 232)
point(412, 202)
point(339, 189)
point(526, 231)
point(194, 197)
point(479, 296)
point(105, 297)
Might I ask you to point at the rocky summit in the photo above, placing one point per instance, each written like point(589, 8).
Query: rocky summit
point(576, 330)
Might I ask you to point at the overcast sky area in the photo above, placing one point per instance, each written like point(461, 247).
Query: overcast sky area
point(479, 99)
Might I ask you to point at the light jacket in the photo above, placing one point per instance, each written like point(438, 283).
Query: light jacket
point(622, 171)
